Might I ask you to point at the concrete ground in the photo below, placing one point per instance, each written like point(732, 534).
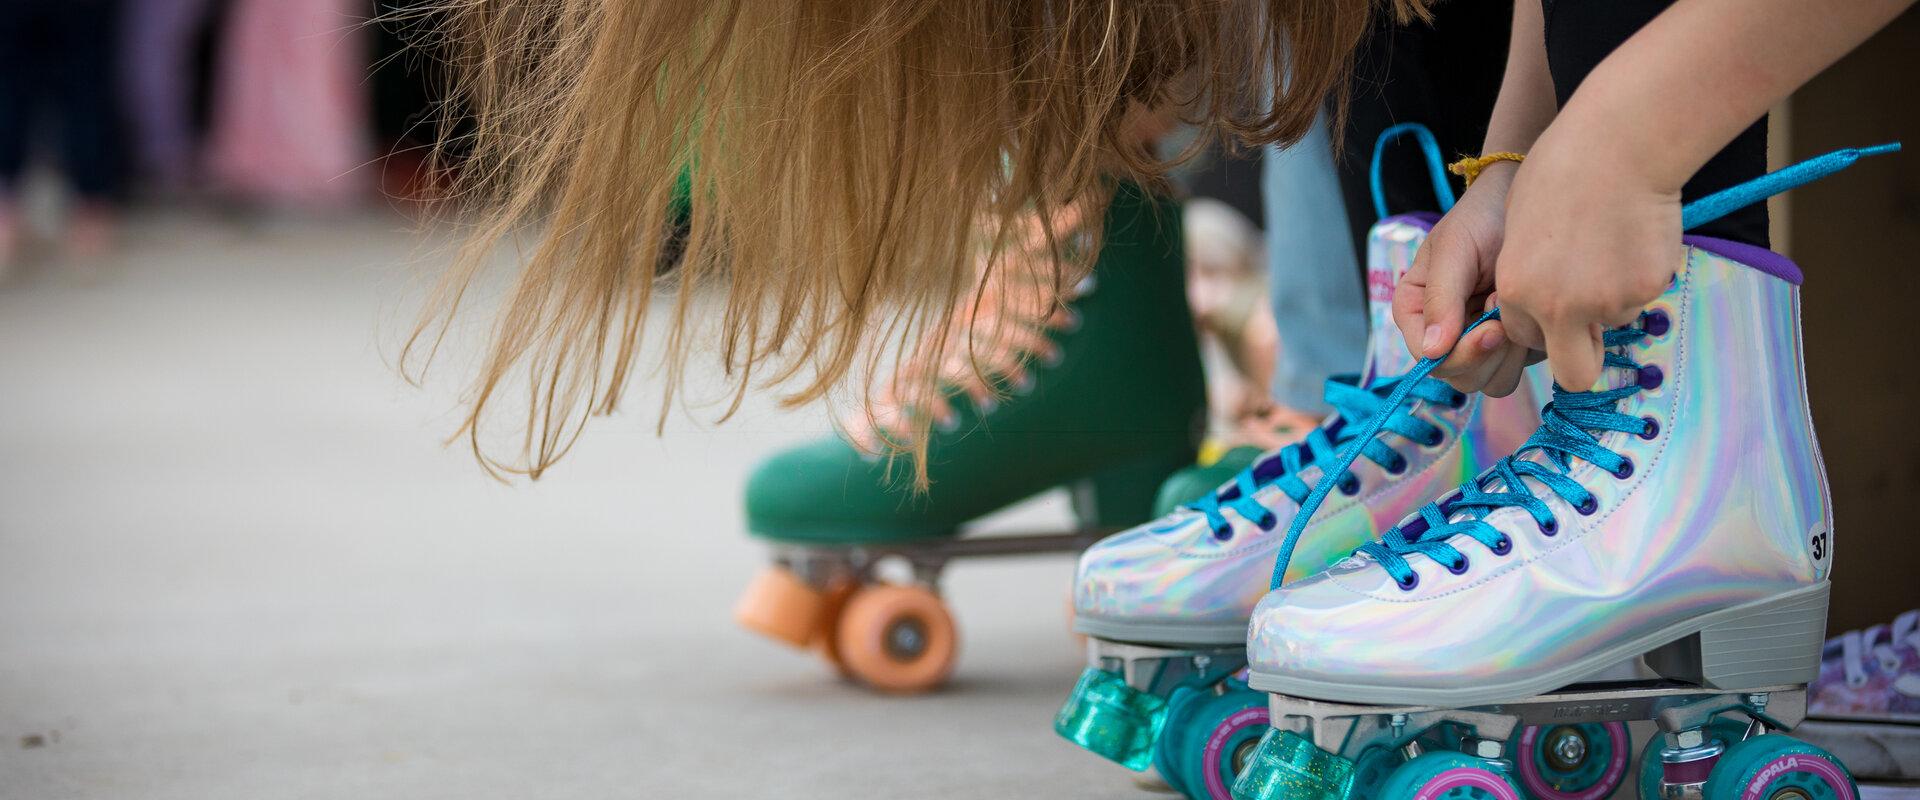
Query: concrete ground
point(236, 561)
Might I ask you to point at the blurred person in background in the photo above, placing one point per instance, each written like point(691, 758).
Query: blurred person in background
point(57, 78)
point(290, 105)
point(160, 70)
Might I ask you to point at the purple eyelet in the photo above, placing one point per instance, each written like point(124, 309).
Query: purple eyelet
point(1413, 579)
point(1651, 429)
point(1457, 401)
point(1460, 568)
point(1658, 323)
point(1223, 534)
point(1502, 546)
point(1550, 527)
point(1651, 377)
point(1267, 522)
point(1398, 466)
point(1588, 506)
point(1434, 439)
point(1350, 486)
point(1625, 471)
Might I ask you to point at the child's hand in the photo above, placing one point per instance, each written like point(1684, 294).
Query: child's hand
point(1451, 282)
point(1590, 242)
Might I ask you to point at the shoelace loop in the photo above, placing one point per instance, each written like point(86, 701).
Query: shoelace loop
point(1856, 644)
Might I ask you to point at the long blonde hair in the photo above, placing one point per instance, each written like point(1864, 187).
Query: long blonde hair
point(837, 168)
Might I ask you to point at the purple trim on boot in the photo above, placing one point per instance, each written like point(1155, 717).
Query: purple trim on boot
point(1423, 220)
point(1759, 258)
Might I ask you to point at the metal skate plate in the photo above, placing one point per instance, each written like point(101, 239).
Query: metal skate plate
point(1673, 706)
point(1158, 670)
point(819, 564)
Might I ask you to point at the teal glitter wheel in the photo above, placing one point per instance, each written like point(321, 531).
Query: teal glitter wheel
point(1169, 750)
point(1728, 732)
point(1285, 766)
point(1220, 742)
point(1112, 719)
point(1584, 761)
point(1778, 767)
point(1370, 771)
point(1446, 775)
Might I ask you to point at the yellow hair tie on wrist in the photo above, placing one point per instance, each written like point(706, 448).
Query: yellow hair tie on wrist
point(1470, 167)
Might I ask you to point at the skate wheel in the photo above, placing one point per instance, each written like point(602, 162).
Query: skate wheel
point(1585, 761)
point(1286, 766)
point(1778, 767)
point(835, 603)
point(1370, 771)
point(896, 638)
point(1453, 776)
point(780, 606)
point(1172, 748)
point(1220, 742)
point(1728, 732)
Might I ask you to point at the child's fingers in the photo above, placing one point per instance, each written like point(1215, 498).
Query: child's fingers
point(1451, 275)
point(1574, 353)
point(1471, 362)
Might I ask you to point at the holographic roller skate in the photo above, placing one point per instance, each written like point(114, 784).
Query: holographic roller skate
point(1166, 604)
point(1678, 514)
point(1107, 402)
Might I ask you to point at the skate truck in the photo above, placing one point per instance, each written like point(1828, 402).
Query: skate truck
point(1676, 512)
point(1106, 400)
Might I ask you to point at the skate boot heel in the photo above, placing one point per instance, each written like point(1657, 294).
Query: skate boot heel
point(1123, 494)
point(1772, 642)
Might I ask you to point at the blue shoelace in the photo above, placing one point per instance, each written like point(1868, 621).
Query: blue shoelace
point(1563, 433)
point(1567, 431)
point(1355, 406)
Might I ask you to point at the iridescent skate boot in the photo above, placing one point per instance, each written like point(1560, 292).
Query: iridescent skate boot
point(1677, 512)
point(1108, 405)
point(1166, 604)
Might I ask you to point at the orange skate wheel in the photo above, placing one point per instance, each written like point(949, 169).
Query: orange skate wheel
point(823, 635)
point(780, 606)
point(897, 639)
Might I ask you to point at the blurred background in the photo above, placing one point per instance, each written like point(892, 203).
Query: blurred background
point(237, 558)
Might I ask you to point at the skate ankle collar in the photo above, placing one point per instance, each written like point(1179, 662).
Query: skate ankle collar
point(1760, 258)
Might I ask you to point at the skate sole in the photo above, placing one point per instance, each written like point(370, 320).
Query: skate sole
point(1162, 633)
point(1770, 642)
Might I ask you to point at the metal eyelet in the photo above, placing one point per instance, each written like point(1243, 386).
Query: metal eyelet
point(1398, 466)
point(1650, 429)
point(1651, 377)
point(1550, 527)
point(1267, 522)
point(1412, 580)
point(1223, 534)
point(1657, 323)
point(1460, 568)
point(1502, 546)
point(1588, 506)
point(1457, 401)
point(1349, 486)
point(1434, 439)
point(1625, 471)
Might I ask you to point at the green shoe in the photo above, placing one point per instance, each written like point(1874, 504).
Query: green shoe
point(1113, 415)
point(1194, 481)
point(1113, 409)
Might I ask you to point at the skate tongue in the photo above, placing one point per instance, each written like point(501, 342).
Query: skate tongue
point(1390, 250)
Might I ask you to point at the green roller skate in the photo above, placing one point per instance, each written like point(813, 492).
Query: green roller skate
point(1105, 401)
